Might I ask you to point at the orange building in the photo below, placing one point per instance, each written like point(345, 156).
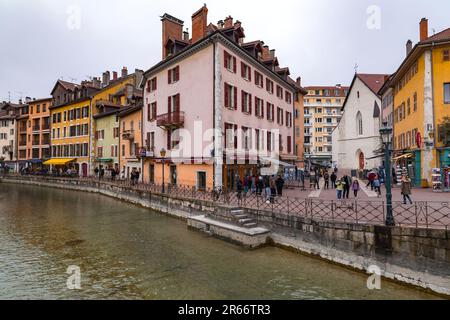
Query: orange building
point(38, 131)
point(130, 141)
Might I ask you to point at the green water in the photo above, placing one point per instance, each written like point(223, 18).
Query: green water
point(126, 252)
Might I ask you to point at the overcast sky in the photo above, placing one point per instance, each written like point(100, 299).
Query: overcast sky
point(319, 40)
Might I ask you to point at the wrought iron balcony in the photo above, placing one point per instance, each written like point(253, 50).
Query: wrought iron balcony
point(171, 120)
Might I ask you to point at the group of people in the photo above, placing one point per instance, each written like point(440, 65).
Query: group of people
point(116, 174)
point(271, 186)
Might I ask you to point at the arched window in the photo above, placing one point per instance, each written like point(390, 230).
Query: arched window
point(359, 124)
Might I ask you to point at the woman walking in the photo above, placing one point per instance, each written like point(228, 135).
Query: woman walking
point(356, 187)
point(406, 189)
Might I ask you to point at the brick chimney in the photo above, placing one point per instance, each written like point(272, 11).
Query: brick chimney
point(124, 72)
point(171, 28)
point(199, 24)
point(299, 81)
point(228, 23)
point(106, 78)
point(114, 75)
point(220, 24)
point(423, 29)
point(408, 47)
point(186, 35)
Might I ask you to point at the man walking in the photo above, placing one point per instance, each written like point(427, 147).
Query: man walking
point(280, 185)
point(333, 180)
point(406, 189)
point(326, 177)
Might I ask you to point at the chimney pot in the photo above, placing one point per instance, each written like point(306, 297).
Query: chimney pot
point(423, 29)
point(186, 35)
point(220, 24)
point(199, 24)
point(272, 53)
point(299, 81)
point(124, 72)
point(408, 47)
point(228, 22)
point(171, 28)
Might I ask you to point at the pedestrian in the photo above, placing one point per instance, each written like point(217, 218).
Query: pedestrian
point(280, 184)
point(259, 185)
point(137, 176)
point(371, 177)
point(246, 184)
point(239, 188)
point(347, 186)
point(101, 173)
point(406, 189)
point(267, 188)
point(339, 189)
point(273, 189)
point(355, 188)
point(113, 174)
point(333, 180)
point(132, 177)
point(377, 185)
point(312, 179)
point(254, 179)
point(326, 177)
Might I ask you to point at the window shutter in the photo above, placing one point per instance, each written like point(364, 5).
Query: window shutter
point(112, 151)
point(235, 136)
point(149, 112)
point(169, 105)
point(242, 101)
point(148, 141)
point(249, 74)
point(148, 86)
point(262, 109)
point(169, 140)
point(256, 77)
point(177, 73)
point(156, 83)
point(177, 102)
point(96, 135)
point(169, 77)
point(250, 103)
point(235, 98)
point(155, 106)
point(242, 70)
point(227, 90)
point(234, 65)
point(225, 60)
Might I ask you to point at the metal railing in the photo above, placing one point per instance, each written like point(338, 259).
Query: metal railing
point(421, 214)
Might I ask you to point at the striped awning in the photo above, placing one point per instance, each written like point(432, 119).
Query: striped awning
point(58, 162)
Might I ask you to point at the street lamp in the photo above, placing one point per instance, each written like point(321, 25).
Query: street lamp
point(386, 136)
point(163, 157)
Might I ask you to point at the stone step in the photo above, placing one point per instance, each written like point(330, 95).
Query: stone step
point(250, 225)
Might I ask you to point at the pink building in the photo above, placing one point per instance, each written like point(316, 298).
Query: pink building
point(220, 108)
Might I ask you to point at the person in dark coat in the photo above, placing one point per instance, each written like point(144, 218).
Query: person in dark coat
point(280, 185)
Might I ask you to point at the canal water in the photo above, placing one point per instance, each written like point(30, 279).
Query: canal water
point(126, 252)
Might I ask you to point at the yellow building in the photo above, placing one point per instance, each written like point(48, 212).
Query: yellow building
point(115, 94)
point(421, 89)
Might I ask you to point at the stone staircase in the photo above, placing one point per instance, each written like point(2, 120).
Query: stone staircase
point(242, 219)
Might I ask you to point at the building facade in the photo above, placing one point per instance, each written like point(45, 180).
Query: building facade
point(8, 134)
point(421, 90)
point(130, 120)
point(356, 140)
point(220, 107)
point(38, 132)
point(322, 114)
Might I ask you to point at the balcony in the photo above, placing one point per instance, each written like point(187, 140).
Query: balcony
point(36, 142)
point(171, 120)
point(128, 135)
point(308, 115)
point(308, 124)
point(37, 128)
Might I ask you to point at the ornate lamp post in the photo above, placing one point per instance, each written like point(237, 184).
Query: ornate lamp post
point(163, 157)
point(386, 136)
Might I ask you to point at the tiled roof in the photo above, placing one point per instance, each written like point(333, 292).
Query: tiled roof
point(68, 85)
point(373, 81)
point(441, 36)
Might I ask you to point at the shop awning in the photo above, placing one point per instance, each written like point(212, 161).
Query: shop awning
point(58, 162)
point(405, 156)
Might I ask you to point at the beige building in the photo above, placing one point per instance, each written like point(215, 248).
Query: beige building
point(322, 113)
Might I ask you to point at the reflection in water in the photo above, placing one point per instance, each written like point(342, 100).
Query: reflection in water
point(126, 252)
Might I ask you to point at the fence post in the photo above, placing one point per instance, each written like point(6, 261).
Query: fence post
point(356, 211)
point(332, 210)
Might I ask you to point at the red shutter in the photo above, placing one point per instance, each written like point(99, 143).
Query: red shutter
point(249, 74)
point(169, 77)
point(227, 90)
point(250, 103)
point(156, 83)
point(112, 151)
point(96, 135)
point(235, 98)
point(289, 144)
point(148, 141)
point(225, 60)
point(235, 136)
point(177, 102)
point(268, 111)
point(256, 78)
point(154, 110)
point(177, 73)
point(234, 65)
point(169, 105)
point(169, 140)
point(262, 109)
point(242, 70)
point(242, 101)
point(148, 86)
